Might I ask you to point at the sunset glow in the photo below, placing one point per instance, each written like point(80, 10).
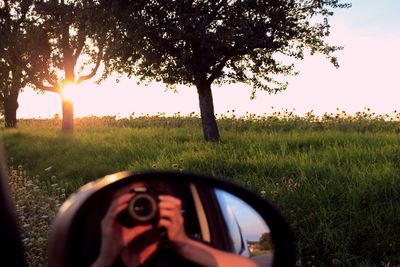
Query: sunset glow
point(367, 77)
point(70, 92)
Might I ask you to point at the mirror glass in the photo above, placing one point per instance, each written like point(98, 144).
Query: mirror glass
point(253, 229)
point(164, 223)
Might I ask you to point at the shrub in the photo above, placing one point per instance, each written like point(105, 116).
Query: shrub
point(36, 205)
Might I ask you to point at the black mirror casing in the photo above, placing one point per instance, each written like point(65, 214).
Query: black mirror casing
point(72, 219)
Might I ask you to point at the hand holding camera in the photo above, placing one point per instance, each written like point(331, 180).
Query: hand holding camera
point(135, 211)
point(171, 219)
point(147, 207)
point(115, 236)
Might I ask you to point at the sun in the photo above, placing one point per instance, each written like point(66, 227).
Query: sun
point(70, 92)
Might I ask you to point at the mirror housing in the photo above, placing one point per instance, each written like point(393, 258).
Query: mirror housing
point(12, 250)
point(84, 209)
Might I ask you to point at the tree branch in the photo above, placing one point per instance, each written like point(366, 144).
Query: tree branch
point(216, 72)
point(43, 87)
point(80, 45)
point(52, 83)
point(94, 70)
point(8, 17)
point(211, 16)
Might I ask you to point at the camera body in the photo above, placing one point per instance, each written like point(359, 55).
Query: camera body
point(142, 209)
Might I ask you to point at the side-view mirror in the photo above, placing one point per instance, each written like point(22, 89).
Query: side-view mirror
point(121, 218)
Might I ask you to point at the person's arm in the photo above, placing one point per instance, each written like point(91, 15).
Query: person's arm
point(210, 257)
point(114, 236)
point(201, 254)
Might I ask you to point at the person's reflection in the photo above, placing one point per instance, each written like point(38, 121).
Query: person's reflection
point(142, 245)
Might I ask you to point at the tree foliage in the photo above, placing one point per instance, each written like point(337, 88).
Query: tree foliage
point(49, 43)
point(70, 31)
point(14, 21)
point(199, 42)
point(266, 241)
point(178, 42)
point(68, 46)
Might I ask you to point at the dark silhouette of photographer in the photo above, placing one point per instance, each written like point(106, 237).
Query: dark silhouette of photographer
point(145, 229)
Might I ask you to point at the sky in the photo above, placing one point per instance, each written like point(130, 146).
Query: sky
point(367, 78)
point(250, 221)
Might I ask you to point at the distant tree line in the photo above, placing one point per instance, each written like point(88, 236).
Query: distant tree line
point(47, 44)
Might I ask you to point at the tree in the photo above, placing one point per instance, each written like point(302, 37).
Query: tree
point(216, 42)
point(266, 241)
point(68, 47)
point(13, 56)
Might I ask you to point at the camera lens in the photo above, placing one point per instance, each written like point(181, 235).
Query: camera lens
point(143, 208)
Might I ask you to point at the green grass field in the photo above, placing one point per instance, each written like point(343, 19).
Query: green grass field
point(335, 178)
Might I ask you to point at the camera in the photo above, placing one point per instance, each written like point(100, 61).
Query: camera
point(142, 209)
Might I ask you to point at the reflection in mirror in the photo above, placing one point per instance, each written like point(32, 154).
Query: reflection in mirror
point(248, 229)
point(166, 223)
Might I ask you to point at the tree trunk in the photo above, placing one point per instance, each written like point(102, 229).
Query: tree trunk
point(10, 110)
point(210, 128)
point(67, 116)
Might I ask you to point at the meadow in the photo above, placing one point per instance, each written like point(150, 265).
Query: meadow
point(335, 177)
